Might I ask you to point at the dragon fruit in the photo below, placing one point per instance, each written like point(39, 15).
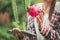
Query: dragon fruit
point(33, 11)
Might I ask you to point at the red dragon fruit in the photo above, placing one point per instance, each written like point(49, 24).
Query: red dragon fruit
point(33, 11)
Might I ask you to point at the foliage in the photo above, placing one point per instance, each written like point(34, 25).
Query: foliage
point(4, 33)
point(8, 6)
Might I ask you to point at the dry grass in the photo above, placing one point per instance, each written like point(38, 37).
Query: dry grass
point(4, 17)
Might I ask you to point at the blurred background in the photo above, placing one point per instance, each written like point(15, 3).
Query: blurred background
point(13, 15)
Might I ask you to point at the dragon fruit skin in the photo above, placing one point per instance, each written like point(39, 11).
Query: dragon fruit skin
point(33, 11)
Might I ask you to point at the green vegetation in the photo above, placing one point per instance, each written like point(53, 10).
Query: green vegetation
point(17, 10)
point(4, 34)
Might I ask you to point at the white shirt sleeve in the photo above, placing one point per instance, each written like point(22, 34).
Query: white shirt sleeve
point(39, 5)
point(57, 7)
